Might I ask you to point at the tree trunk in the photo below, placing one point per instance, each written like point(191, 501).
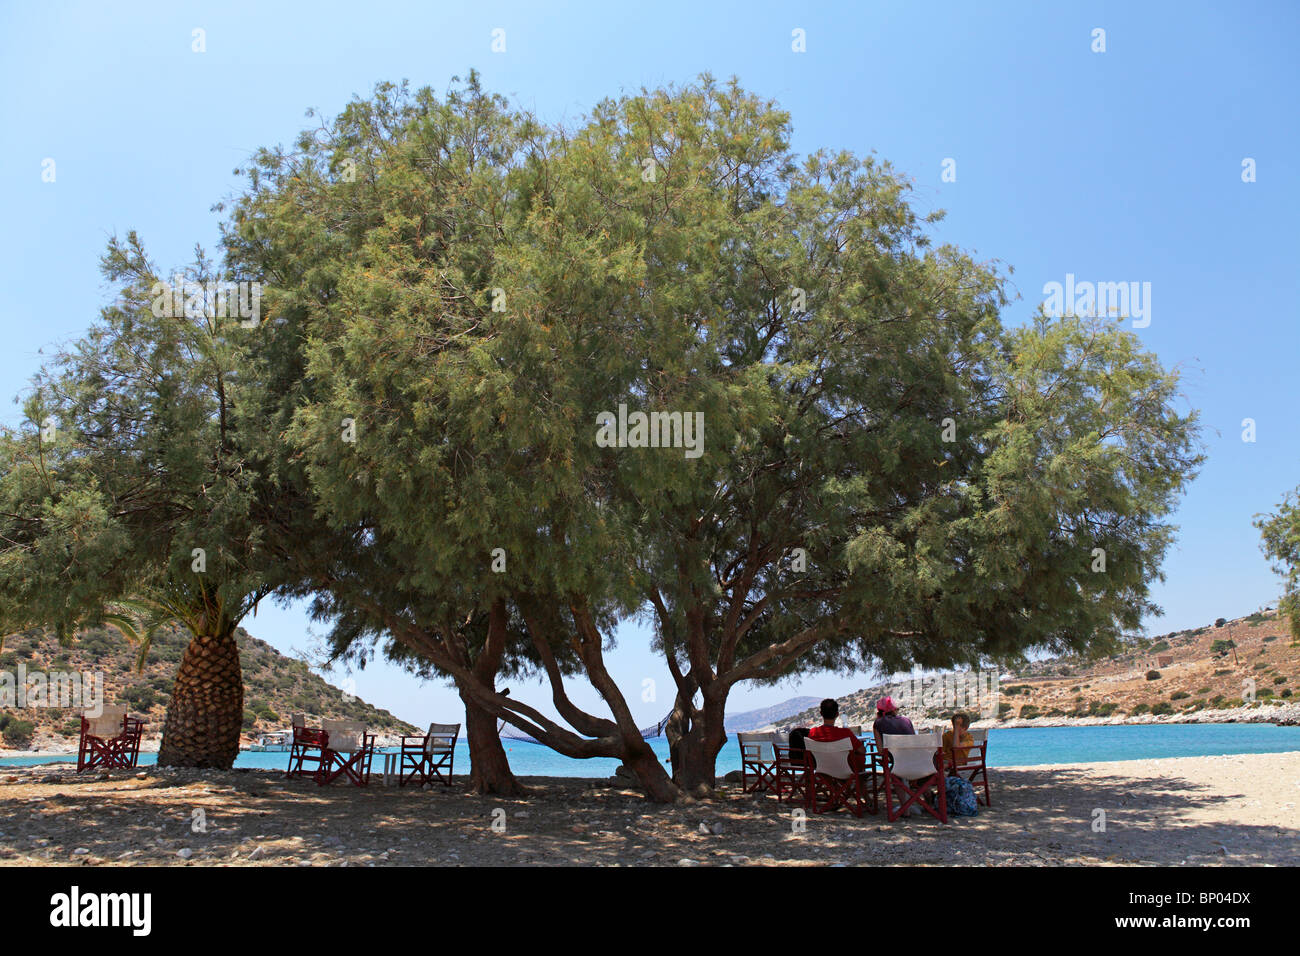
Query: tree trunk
point(696, 746)
point(697, 767)
point(206, 710)
point(644, 762)
point(489, 768)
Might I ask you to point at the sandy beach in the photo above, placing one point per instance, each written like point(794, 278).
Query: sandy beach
point(1192, 811)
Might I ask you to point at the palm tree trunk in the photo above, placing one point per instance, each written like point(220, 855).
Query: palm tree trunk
point(206, 710)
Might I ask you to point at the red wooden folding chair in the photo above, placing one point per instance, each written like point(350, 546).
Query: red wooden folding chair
point(914, 764)
point(834, 777)
point(347, 751)
point(307, 749)
point(974, 766)
point(757, 762)
point(111, 740)
point(430, 756)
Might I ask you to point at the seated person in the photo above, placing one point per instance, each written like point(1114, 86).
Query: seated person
point(796, 743)
point(828, 732)
point(889, 721)
point(961, 730)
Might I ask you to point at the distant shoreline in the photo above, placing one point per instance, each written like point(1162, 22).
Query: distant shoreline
point(1282, 715)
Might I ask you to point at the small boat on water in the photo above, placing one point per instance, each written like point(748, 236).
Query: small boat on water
point(272, 742)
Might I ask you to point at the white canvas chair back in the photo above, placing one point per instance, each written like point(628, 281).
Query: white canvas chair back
point(831, 757)
point(345, 736)
point(979, 736)
point(109, 722)
point(441, 738)
point(913, 754)
point(757, 747)
point(298, 720)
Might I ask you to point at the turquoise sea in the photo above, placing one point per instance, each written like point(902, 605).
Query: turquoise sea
point(1008, 747)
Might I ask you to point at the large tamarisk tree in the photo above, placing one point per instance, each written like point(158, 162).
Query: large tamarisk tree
point(124, 499)
point(878, 473)
point(888, 476)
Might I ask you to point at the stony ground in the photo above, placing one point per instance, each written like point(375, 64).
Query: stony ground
point(1192, 811)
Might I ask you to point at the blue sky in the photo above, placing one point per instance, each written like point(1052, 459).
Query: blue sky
point(1123, 165)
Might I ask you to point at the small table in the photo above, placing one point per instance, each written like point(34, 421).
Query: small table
point(390, 766)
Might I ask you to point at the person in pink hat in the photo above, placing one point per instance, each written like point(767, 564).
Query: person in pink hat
point(889, 721)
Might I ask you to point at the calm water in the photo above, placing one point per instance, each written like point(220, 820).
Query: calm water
point(1010, 747)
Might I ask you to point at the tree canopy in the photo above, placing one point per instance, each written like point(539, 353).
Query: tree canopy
point(887, 474)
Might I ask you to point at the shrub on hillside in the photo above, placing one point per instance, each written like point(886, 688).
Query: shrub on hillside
point(1163, 707)
point(18, 733)
point(1220, 622)
point(1139, 710)
point(1153, 675)
point(1287, 692)
point(1157, 648)
point(1202, 690)
point(1220, 673)
point(1179, 695)
point(1029, 712)
point(1279, 680)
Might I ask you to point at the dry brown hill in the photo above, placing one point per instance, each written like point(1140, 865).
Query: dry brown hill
point(1180, 674)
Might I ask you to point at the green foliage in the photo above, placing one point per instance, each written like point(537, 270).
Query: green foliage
point(1139, 709)
point(1219, 622)
point(1179, 695)
point(1153, 675)
point(1203, 690)
point(1029, 711)
point(1161, 646)
point(824, 419)
point(17, 733)
point(1280, 534)
point(1161, 707)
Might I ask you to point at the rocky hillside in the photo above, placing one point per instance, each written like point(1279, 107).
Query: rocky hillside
point(275, 686)
point(1242, 669)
